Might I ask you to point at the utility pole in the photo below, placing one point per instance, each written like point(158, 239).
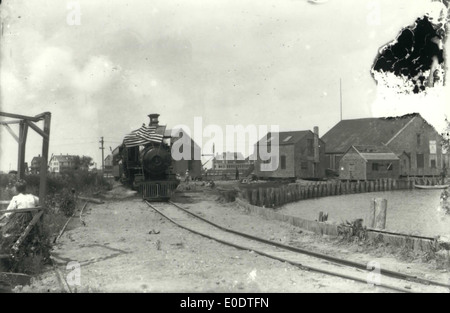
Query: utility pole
point(103, 158)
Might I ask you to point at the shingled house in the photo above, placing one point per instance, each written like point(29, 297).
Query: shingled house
point(301, 155)
point(415, 142)
point(224, 165)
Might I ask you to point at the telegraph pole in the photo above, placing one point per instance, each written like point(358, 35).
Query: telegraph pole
point(103, 158)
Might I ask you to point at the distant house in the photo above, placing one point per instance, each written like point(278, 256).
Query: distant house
point(36, 165)
point(301, 155)
point(369, 163)
point(224, 165)
point(108, 162)
point(181, 166)
point(59, 163)
point(409, 137)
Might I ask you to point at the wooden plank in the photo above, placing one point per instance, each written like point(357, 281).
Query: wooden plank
point(37, 129)
point(9, 122)
point(27, 230)
point(22, 117)
point(65, 225)
point(22, 210)
point(12, 132)
point(81, 214)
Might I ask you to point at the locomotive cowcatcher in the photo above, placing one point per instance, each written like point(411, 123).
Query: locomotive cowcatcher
point(144, 162)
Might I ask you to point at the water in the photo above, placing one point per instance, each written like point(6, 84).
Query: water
point(408, 211)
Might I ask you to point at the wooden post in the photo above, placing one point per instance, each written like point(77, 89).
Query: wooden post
point(261, 196)
point(23, 132)
point(320, 216)
point(248, 195)
point(44, 159)
point(377, 214)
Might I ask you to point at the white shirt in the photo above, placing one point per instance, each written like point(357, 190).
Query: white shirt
point(22, 201)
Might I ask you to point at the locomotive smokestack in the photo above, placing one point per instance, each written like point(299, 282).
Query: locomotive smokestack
point(153, 119)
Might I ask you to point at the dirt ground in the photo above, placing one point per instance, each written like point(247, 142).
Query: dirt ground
point(124, 246)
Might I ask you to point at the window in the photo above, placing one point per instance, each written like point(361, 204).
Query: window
point(390, 167)
point(420, 160)
point(433, 163)
point(432, 146)
point(283, 162)
point(287, 138)
point(418, 139)
point(374, 166)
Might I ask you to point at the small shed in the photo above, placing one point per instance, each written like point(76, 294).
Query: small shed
point(369, 163)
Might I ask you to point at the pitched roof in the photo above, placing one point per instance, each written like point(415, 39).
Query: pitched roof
point(371, 152)
point(37, 159)
point(63, 158)
point(285, 138)
point(365, 131)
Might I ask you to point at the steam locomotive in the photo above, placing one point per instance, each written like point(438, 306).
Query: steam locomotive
point(144, 162)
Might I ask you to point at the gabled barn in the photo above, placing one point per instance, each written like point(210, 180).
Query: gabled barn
point(409, 137)
point(301, 155)
point(369, 163)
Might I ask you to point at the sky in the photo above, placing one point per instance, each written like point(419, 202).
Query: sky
point(230, 62)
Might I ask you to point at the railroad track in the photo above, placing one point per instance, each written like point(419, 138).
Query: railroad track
point(304, 259)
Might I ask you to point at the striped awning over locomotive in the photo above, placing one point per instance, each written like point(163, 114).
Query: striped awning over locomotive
point(144, 135)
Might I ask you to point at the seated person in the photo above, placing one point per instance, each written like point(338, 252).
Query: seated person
point(22, 200)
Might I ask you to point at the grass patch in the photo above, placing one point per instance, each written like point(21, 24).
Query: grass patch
point(60, 203)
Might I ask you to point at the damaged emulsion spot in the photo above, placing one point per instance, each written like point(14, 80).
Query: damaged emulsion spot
point(415, 60)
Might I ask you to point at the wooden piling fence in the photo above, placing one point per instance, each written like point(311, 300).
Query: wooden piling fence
point(278, 196)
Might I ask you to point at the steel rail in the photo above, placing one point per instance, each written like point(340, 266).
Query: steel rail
point(361, 266)
point(300, 265)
